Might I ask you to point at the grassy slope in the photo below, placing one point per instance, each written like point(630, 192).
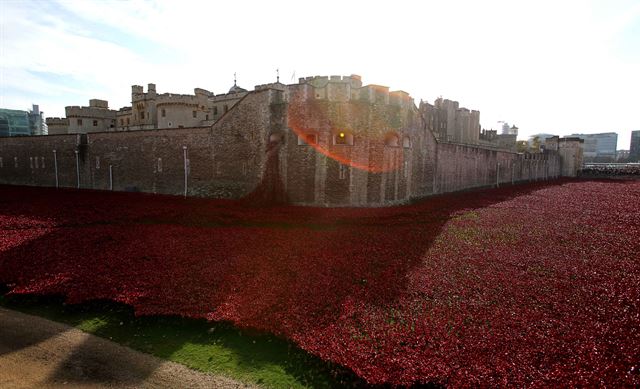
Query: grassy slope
point(210, 347)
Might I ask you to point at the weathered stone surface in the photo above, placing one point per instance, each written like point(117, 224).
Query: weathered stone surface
point(350, 149)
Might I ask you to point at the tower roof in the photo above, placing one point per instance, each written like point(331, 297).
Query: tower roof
point(236, 89)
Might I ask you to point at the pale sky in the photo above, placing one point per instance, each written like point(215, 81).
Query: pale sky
point(559, 66)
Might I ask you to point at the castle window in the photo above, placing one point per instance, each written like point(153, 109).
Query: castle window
point(128, 121)
point(122, 122)
point(343, 138)
point(391, 140)
point(159, 165)
point(35, 162)
point(206, 117)
point(226, 108)
point(15, 161)
point(41, 162)
point(164, 112)
point(79, 122)
point(307, 139)
point(142, 115)
point(97, 162)
point(406, 142)
point(31, 162)
point(95, 123)
point(342, 173)
point(195, 114)
point(215, 110)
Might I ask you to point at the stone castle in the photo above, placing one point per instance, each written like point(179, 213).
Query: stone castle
point(325, 141)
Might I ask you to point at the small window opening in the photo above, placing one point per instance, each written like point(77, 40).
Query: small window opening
point(343, 138)
point(406, 142)
point(343, 172)
point(391, 140)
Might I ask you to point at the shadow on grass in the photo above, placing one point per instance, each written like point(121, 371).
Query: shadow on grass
point(210, 347)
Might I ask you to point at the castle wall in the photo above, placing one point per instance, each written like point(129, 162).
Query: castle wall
point(57, 126)
point(225, 160)
point(365, 171)
point(19, 155)
point(370, 150)
point(463, 167)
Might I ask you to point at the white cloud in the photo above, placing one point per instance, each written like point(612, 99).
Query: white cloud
point(546, 66)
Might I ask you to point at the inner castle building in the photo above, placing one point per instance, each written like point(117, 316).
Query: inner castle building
point(324, 141)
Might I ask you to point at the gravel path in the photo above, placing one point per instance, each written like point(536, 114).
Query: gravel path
point(36, 353)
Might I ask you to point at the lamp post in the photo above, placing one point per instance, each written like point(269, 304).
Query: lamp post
point(55, 165)
point(184, 150)
point(77, 169)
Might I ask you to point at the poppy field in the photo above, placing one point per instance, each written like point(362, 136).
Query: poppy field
point(529, 285)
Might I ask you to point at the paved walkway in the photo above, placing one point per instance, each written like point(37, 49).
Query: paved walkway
point(37, 353)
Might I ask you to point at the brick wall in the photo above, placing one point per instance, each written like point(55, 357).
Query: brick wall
point(228, 159)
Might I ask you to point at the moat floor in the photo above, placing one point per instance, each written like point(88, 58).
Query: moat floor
point(38, 353)
point(535, 284)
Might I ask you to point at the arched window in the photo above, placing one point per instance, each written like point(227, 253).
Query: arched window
point(392, 140)
point(406, 142)
point(343, 137)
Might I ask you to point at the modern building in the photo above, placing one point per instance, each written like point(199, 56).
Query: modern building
point(539, 139)
point(600, 147)
point(634, 147)
point(15, 122)
point(622, 156)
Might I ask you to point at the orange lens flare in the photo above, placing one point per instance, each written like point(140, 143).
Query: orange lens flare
point(370, 152)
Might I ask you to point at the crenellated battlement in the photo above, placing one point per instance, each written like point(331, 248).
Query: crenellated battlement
point(57, 121)
point(321, 81)
point(349, 88)
point(170, 98)
point(274, 85)
point(88, 112)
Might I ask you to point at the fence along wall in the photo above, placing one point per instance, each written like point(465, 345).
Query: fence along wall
point(223, 161)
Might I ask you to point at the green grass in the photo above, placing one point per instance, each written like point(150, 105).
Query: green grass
point(219, 348)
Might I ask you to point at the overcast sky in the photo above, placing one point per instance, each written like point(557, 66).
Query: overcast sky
point(559, 66)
